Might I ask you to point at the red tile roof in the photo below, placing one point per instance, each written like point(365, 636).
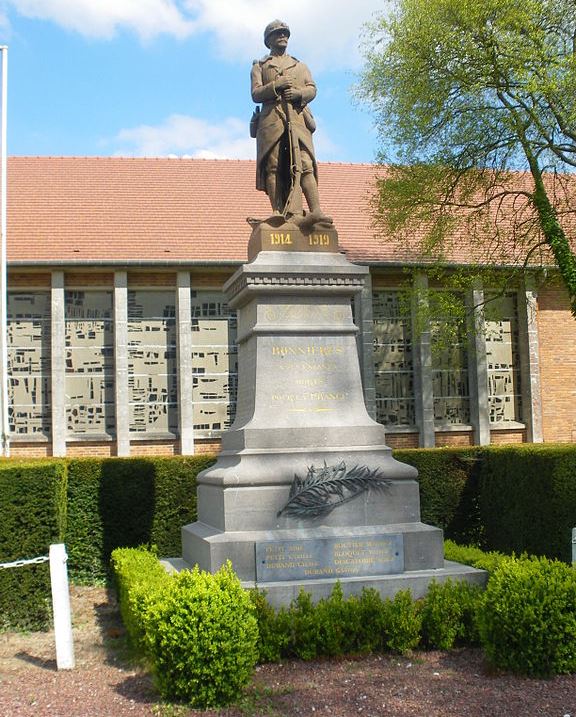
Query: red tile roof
point(99, 209)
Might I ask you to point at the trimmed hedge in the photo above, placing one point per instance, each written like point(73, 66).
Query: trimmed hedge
point(513, 499)
point(449, 489)
point(527, 497)
point(509, 498)
point(33, 510)
point(127, 502)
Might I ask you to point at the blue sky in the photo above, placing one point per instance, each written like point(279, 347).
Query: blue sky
point(171, 77)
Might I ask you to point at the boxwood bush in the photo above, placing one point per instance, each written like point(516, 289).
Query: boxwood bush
point(198, 630)
point(527, 620)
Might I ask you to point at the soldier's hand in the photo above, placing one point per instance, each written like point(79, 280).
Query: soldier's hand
point(282, 83)
point(292, 94)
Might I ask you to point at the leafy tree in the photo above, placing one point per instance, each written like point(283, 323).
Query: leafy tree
point(476, 108)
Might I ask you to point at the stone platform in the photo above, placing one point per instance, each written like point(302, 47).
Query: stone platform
point(305, 491)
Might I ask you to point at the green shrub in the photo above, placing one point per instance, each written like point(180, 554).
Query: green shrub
point(473, 556)
point(527, 621)
point(274, 629)
point(33, 510)
point(338, 621)
point(201, 635)
point(127, 502)
point(304, 635)
point(371, 624)
point(402, 623)
point(337, 625)
point(140, 578)
point(449, 613)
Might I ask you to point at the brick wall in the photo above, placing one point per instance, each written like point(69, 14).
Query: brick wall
point(30, 450)
point(155, 448)
point(557, 342)
point(509, 436)
point(85, 449)
point(454, 438)
point(402, 440)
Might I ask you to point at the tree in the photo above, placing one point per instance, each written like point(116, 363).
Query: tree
point(476, 107)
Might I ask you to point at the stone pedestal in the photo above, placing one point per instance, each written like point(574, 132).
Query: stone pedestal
point(300, 405)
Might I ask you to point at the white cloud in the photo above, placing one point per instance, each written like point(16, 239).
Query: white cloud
point(103, 18)
point(324, 34)
point(184, 135)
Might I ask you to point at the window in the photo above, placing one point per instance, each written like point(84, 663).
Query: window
point(29, 362)
point(152, 380)
point(89, 362)
point(393, 363)
point(503, 360)
point(450, 384)
point(214, 363)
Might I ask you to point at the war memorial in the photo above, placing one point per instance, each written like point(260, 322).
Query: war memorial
point(305, 491)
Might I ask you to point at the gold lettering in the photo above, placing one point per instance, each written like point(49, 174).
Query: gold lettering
point(280, 238)
point(319, 240)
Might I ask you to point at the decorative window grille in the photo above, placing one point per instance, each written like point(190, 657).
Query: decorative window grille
point(214, 363)
point(28, 314)
point(393, 362)
point(89, 362)
point(450, 380)
point(503, 360)
point(152, 379)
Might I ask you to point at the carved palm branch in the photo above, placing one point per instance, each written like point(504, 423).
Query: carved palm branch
point(328, 487)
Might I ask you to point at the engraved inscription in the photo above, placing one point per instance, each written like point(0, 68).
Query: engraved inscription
point(337, 557)
point(307, 374)
point(297, 313)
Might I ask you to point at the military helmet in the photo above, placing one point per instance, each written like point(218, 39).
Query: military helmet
point(274, 26)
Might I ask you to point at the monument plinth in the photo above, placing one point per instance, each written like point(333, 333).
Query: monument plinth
point(305, 491)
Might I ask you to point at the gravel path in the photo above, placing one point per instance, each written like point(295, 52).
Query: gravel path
point(106, 684)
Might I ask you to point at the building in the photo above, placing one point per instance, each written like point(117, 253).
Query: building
point(121, 343)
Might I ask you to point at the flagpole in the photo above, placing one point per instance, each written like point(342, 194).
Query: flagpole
point(5, 431)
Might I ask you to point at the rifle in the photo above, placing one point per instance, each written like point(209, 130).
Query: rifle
point(294, 201)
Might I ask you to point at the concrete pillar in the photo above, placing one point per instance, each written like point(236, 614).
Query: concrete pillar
point(121, 363)
point(184, 363)
point(422, 352)
point(364, 320)
point(530, 363)
point(58, 365)
point(478, 368)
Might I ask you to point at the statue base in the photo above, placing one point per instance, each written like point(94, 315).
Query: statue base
point(305, 491)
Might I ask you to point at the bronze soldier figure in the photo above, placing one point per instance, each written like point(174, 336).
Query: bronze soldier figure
point(285, 164)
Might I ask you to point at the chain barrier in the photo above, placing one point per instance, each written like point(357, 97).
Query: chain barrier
point(21, 563)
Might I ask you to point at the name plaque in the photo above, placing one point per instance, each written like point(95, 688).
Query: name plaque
point(336, 557)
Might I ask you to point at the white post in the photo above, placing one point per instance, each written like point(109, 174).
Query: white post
point(4, 427)
point(61, 607)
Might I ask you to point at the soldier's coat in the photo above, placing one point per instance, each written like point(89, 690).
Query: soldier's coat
point(272, 123)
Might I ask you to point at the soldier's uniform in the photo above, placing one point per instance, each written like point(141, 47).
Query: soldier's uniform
point(271, 140)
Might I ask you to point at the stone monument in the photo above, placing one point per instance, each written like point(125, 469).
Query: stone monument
point(305, 491)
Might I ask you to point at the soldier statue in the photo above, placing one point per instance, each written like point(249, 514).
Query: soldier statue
point(285, 163)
